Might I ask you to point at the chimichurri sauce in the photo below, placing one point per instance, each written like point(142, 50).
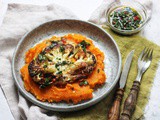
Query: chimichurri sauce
point(125, 18)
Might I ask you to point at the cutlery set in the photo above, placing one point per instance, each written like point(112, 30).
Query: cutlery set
point(144, 62)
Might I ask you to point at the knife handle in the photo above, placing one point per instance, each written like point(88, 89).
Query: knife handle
point(114, 111)
point(130, 102)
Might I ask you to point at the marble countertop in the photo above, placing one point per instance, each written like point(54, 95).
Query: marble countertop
point(83, 12)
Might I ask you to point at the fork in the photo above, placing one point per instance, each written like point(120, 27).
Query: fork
point(144, 62)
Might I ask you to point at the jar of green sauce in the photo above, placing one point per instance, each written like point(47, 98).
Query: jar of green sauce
point(126, 18)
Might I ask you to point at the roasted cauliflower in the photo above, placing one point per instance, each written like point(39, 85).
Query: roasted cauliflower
point(61, 63)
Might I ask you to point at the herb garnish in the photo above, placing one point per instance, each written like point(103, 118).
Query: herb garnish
point(52, 45)
point(62, 49)
point(83, 83)
point(46, 83)
point(45, 66)
point(62, 63)
point(84, 45)
point(58, 58)
point(56, 65)
point(59, 72)
point(41, 57)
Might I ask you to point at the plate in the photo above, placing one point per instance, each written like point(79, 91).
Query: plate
point(100, 38)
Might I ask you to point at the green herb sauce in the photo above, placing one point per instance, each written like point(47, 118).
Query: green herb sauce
point(125, 18)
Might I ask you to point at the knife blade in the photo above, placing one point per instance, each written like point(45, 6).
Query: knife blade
point(126, 68)
point(114, 111)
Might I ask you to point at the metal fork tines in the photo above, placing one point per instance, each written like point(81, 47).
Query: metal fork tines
point(144, 62)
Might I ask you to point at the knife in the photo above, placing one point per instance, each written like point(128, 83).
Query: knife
point(114, 111)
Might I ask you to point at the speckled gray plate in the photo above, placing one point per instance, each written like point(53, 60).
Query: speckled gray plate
point(61, 27)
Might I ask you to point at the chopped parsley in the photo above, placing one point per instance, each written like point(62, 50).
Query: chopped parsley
point(41, 57)
point(45, 66)
point(62, 63)
point(58, 58)
point(59, 72)
point(83, 83)
point(84, 45)
point(47, 82)
point(53, 43)
point(62, 49)
point(56, 65)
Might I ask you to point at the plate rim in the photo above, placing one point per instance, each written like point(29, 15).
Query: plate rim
point(77, 106)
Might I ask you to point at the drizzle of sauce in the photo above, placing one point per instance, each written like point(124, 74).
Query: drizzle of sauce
point(125, 18)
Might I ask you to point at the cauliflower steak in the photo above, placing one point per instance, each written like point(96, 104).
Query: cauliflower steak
point(62, 62)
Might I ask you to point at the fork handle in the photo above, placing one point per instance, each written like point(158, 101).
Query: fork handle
point(130, 102)
point(114, 111)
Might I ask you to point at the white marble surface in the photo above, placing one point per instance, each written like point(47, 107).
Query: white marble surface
point(83, 9)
